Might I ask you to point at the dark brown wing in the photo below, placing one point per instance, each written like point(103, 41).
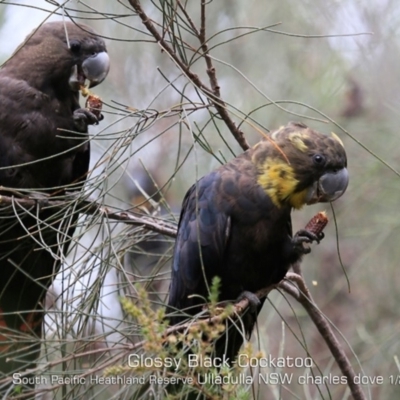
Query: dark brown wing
point(202, 226)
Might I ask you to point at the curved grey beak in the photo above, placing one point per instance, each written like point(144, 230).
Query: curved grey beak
point(329, 187)
point(96, 68)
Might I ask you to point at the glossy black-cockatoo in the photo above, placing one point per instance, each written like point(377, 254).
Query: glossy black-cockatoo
point(44, 146)
point(235, 222)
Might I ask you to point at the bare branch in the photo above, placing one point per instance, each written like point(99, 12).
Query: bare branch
point(213, 94)
point(303, 296)
point(91, 207)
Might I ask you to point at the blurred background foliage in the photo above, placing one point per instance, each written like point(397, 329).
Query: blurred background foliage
point(332, 65)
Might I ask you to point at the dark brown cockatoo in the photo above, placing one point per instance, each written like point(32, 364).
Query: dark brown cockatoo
point(44, 147)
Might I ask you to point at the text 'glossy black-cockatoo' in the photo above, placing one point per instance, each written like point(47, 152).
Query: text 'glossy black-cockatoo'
point(44, 147)
point(235, 222)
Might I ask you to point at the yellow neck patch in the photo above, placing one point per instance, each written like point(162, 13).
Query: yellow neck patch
point(277, 178)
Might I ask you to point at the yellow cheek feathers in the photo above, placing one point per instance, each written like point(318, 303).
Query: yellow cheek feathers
point(278, 180)
point(297, 200)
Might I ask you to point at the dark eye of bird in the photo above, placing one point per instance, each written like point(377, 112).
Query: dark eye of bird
point(75, 46)
point(319, 159)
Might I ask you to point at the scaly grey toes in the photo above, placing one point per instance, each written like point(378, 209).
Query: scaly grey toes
point(83, 118)
point(305, 236)
point(254, 301)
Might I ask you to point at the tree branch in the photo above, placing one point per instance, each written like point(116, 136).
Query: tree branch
point(91, 207)
point(213, 94)
point(303, 296)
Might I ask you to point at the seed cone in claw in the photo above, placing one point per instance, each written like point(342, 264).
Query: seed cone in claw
point(317, 223)
point(93, 102)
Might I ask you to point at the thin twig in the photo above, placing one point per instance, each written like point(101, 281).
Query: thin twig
point(210, 67)
point(213, 94)
point(91, 207)
point(303, 296)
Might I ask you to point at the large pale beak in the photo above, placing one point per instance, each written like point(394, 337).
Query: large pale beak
point(94, 69)
point(329, 187)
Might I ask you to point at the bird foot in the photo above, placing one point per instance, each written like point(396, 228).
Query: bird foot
point(253, 300)
point(83, 117)
point(304, 236)
point(41, 199)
